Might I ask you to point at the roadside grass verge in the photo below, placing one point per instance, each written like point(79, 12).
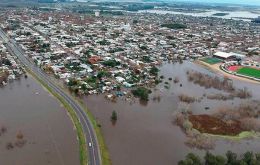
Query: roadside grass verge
point(73, 116)
point(105, 157)
point(249, 72)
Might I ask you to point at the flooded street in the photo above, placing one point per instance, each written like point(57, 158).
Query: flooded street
point(47, 129)
point(146, 134)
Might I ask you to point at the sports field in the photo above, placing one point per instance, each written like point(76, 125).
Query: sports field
point(234, 68)
point(211, 60)
point(249, 72)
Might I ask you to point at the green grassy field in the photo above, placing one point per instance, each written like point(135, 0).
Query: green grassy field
point(211, 60)
point(249, 72)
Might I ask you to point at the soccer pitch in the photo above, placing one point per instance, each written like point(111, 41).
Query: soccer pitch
point(249, 72)
point(212, 60)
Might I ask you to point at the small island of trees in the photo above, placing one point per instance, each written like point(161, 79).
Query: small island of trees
point(220, 14)
point(142, 93)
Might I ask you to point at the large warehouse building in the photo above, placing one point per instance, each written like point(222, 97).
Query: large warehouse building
point(227, 56)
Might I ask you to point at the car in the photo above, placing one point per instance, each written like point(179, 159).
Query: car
point(89, 144)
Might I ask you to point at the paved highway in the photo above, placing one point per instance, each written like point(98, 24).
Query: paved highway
point(94, 157)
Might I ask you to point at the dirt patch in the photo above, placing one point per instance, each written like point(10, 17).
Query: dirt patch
point(213, 125)
point(3, 76)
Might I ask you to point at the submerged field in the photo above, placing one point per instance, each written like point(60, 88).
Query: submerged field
point(213, 125)
point(153, 121)
point(37, 129)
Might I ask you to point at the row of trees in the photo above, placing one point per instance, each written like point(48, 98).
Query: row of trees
point(231, 158)
point(174, 26)
point(225, 84)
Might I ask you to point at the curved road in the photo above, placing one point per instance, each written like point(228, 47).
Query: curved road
point(94, 157)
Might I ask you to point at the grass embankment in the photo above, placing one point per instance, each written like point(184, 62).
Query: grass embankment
point(242, 135)
point(249, 72)
point(105, 158)
point(79, 129)
point(205, 65)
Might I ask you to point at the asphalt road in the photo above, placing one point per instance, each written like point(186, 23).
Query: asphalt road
point(94, 157)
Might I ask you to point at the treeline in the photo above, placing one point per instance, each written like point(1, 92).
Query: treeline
point(231, 158)
point(136, 7)
point(174, 26)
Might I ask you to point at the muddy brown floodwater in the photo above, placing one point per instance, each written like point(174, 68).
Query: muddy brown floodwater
point(146, 135)
point(50, 137)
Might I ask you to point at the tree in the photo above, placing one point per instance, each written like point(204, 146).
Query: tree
point(72, 82)
point(257, 156)
point(185, 162)
point(231, 157)
point(221, 160)
point(101, 74)
point(174, 26)
point(191, 159)
point(111, 63)
point(142, 93)
point(195, 159)
point(114, 116)
point(209, 158)
point(135, 21)
point(154, 71)
point(248, 158)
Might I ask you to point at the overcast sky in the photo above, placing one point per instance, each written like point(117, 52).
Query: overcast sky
point(248, 2)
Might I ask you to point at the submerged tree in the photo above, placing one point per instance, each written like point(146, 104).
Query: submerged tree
point(114, 116)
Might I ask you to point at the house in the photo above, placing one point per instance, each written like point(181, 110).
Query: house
point(94, 59)
point(88, 69)
point(120, 79)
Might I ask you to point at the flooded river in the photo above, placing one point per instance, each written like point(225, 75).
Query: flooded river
point(239, 15)
point(48, 131)
point(146, 135)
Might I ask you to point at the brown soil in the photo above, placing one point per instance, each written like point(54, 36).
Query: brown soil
point(213, 125)
point(3, 76)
